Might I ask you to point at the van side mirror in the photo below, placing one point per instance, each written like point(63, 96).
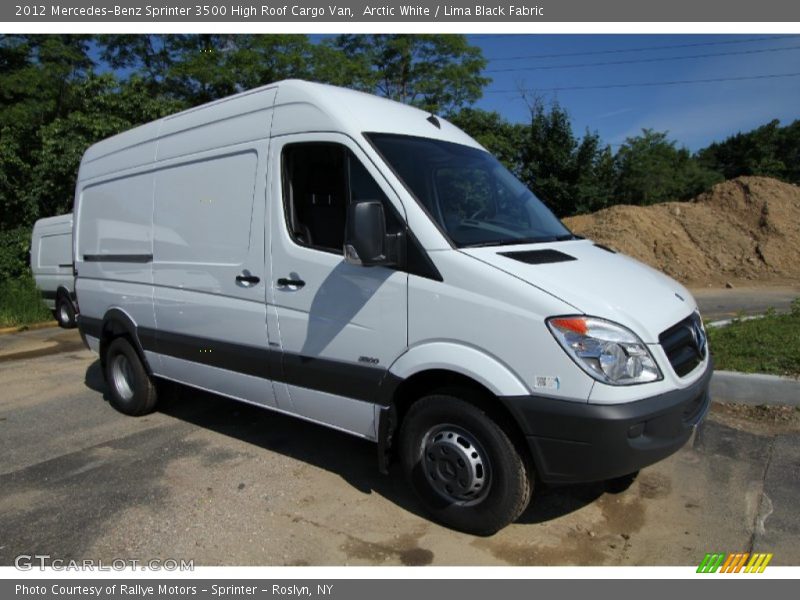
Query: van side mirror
point(365, 238)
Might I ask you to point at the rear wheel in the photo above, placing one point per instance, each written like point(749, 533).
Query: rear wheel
point(132, 389)
point(65, 311)
point(463, 465)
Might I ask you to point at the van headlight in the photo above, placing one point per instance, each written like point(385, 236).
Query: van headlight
point(608, 352)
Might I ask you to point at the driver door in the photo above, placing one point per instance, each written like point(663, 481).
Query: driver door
point(340, 326)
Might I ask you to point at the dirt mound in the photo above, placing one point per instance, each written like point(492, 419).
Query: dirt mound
point(743, 229)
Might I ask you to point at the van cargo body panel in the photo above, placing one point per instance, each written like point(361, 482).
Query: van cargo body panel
point(122, 152)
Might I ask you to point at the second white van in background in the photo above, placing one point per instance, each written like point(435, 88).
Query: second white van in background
point(52, 268)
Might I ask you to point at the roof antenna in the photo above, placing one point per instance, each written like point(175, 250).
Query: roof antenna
point(434, 121)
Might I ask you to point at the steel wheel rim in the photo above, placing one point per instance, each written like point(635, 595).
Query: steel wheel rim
point(456, 465)
point(122, 376)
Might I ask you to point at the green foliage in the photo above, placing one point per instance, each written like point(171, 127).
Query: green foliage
point(55, 101)
point(577, 175)
point(770, 151)
point(14, 247)
point(206, 67)
point(568, 174)
point(14, 174)
point(21, 303)
point(498, 136)
point(107, 108)
point(651, 169)
point(438, 73)
point(767, 345)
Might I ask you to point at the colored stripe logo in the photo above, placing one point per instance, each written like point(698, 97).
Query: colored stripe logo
point(736, 562)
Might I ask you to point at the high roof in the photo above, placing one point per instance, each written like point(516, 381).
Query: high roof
point(299, 106)
point(357, 112)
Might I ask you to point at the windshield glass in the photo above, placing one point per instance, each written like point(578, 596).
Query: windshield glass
point(475, 200)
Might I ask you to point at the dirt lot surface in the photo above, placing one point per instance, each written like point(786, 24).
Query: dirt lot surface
point(220, 482)
point(743, 231)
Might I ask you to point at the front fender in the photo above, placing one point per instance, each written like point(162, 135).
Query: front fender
point(465, 360)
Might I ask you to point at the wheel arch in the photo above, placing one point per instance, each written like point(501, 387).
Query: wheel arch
point(433, 381)
point(468, 361)
point(62, 290)
point(116, 323)
point(473, 375)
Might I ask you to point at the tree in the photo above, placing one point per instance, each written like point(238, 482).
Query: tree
point(207, 67)
point(594, 175)
point(498, 136)
point(770, 151)
point(200, 68)
point(149, 56)
point(107, 108)
point(568, 174)
point(36, 87)
point(53, 108)
point(652, 169)
point(438, 73)
point(547, 156)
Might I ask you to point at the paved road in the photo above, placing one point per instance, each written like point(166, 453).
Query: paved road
point(718, 303)
point(221, 482)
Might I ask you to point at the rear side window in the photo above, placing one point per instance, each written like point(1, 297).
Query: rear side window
point(319, 180)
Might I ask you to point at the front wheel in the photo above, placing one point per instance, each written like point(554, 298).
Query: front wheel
point(462, 465)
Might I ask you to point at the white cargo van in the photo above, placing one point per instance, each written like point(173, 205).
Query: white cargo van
point(365, 265)
point(51, 265)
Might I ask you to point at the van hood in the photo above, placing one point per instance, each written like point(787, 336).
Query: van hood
point(597, 282)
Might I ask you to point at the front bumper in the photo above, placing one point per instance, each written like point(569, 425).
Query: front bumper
point(575, 442)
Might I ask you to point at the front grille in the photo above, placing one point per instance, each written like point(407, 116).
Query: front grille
point(685, 344)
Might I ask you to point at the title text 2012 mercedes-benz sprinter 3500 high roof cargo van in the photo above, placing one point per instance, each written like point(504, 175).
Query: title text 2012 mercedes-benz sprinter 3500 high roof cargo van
point(51, 265)
point(364, 265)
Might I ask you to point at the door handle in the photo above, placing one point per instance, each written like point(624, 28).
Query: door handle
point(248, 279)
point(284, 282)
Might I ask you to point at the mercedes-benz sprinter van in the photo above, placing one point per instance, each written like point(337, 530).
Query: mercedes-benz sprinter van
point(51, 265)
point(368, 266)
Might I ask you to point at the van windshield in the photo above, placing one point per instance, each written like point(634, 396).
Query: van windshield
point(474, 199)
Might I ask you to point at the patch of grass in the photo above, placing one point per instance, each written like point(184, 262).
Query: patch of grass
point(21, 303)
point(767, 345)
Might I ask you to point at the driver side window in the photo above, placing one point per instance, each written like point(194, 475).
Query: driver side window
point(320, 179)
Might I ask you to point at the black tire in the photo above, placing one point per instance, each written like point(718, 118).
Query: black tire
point(131, 388)
point(496, 486)
point(65, 312)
